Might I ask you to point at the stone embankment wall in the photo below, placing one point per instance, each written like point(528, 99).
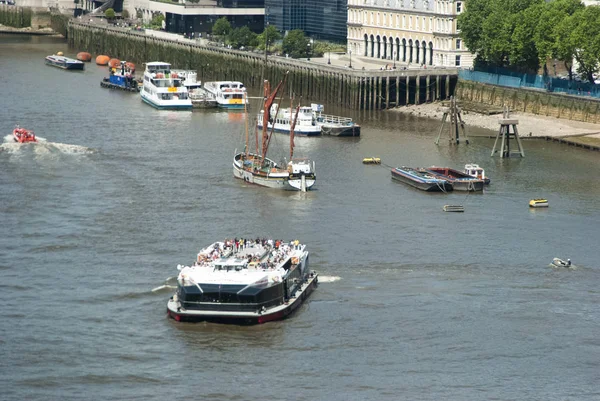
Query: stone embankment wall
point(17, 17)
point(356, 89)
point(531, 101)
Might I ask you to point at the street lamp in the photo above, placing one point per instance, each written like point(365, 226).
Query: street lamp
point(328, 57)
point(350, 66)
point(308, 50)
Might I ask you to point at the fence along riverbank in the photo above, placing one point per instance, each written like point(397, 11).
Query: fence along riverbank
point(355, 89)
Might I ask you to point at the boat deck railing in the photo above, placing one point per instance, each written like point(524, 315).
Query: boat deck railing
point(328, 118)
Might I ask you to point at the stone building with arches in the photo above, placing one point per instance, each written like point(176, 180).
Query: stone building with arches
point(408, 32)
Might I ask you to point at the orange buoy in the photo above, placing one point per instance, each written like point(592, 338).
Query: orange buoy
point(130, 65)
point(84, 56)
point(114, 63)
point(102, 60)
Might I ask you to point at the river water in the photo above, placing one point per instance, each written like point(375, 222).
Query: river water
point(414, 303)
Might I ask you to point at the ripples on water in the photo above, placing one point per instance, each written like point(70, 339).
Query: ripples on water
point(413, 304)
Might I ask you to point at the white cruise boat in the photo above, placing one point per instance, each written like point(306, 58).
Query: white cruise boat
point(229, 94)
point(164, 89)
point(200, 97)
point(281, 120)
point(243, 281)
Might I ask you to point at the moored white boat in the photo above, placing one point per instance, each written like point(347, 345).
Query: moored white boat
point(65, 63)
point(280, 120)
point(229, 94)
point(200, 97)
point(243, 281)
point(474, 170)
point(163, 89)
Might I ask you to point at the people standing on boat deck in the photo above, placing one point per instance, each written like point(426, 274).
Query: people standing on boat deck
point(568, 262)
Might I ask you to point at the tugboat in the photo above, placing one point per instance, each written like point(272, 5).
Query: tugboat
point(243, 281)
point(22, 135)
point(121, 79)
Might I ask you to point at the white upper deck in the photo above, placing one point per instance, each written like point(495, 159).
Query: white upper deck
point(225, 86)
point(256, 263)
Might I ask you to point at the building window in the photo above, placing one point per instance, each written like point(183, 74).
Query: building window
point(457, 62)
point(458, 44)
point(458, 7)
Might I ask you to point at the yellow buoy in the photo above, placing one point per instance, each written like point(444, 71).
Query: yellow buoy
point(538, 203)
point(371, 160)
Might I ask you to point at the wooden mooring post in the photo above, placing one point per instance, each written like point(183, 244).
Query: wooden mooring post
point(505, 123)
point(457, 125)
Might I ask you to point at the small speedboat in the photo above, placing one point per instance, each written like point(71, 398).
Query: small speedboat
point(557, 262)
point(22, 135)
point(538, 203)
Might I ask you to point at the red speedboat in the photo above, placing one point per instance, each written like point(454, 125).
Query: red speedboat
point(22, 135)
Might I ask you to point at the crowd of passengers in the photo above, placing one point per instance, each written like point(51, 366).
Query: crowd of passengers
point(277, 251)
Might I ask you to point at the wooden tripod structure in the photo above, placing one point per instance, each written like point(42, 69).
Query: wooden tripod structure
point(505, 123)
point(457, 125)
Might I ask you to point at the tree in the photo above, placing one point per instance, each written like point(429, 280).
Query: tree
point(584, 39)
point(109, 14)
point(499, 32)
point(222, 27)
point(242, 37)
point(295, 44)
point(157, 20)
point(270, 35)
point(125, 14)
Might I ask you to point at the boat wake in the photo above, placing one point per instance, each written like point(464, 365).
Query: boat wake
point(43, 147)
point(168, 285)
point(329, 279)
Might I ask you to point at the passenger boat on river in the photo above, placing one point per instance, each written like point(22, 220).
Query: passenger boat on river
point(420, 179)
point(244, 282)
point(121, 78)
point(22, 135)
point(460, 181)
point(65, 63)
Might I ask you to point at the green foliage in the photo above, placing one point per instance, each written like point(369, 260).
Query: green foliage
point(270, 34)
point(125, 14)
point(222, 27)
point(139, 14)
point(242, 37)
point(157, 20)
point(320, 48)
point(524, 34)
point(296, 44)
point(109, 14)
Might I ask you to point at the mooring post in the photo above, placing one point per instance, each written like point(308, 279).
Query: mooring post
point(505, 123)
point(387, 92)
point(427, 91)
point(407, 90)
point(418, 89)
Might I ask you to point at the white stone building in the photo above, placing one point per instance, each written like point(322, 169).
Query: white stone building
point(421, 32)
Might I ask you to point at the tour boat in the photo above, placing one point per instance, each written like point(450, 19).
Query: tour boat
point(244, 282)
point(296, 175)
point(475, 171)
point(200, 97)
point(64, 62)
point(164, 90)
point(22, 135)
point(229, 94)
point(280, 120)
point(460, 181)
point(121, 78)
point(420, 179)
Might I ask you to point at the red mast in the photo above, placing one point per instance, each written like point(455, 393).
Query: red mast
point(269, 99)
point(293, 125)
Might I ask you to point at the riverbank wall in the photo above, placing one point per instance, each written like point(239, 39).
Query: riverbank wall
point(532, 101)
point(345, 87)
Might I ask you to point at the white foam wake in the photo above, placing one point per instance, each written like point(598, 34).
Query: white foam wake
point(329, 279)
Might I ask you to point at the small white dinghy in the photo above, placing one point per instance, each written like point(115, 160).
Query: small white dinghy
point(557, 262)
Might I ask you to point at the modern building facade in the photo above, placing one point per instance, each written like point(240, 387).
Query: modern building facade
point(198, 17)
point(324, 19)
point(421, 32)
